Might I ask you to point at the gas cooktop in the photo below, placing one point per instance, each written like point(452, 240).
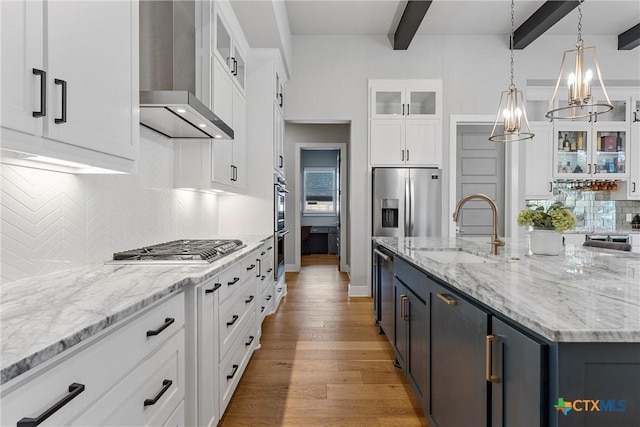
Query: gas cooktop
point(180, 251)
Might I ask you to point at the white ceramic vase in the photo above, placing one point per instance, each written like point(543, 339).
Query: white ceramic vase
point(545, 242)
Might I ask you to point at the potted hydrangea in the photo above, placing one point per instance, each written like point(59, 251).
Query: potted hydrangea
point(546, 237)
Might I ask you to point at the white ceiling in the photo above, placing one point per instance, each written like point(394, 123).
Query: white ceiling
point(450, 17)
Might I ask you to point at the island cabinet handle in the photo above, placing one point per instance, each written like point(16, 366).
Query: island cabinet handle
point(74, 390)
point(402, 310)
point(251, 267)
point(247, 301)
point(269, 248)
point(234, 281)
point(488, 375)
point(165, 386)
point(167, 322)
point(248, 343)
point(448, 301)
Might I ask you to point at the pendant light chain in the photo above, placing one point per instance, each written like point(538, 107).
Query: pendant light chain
point(579, 42)
point(512, 86)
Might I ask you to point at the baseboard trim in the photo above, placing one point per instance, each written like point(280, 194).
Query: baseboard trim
point(358, 291)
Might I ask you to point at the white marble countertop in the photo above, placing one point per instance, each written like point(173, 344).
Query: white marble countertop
point(44, 315)
point(583, 295)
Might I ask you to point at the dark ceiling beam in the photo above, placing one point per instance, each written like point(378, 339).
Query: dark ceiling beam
point(414, 13)
point(630, 39)
point(541, 20)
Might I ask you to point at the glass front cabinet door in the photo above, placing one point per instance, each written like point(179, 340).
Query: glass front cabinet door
point(596, 152)
point(419, 101)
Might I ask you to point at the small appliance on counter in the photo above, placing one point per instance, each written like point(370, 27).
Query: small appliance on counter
point(180, 252)
point(635, 222)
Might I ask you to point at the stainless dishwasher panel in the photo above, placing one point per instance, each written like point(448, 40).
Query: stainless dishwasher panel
point(384, 283)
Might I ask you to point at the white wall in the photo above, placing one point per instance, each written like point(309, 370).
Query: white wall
point(52, 221)
point(330, 83)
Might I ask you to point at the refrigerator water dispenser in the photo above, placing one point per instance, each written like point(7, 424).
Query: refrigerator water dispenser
point(390, 213)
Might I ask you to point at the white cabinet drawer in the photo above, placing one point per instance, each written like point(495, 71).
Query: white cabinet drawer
point(230, 279)
point(148, 395)
point(233, 366)
point(234, 314)
point(177, 418)
point(97, 365)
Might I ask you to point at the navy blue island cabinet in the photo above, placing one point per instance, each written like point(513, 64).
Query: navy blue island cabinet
point(472, 366)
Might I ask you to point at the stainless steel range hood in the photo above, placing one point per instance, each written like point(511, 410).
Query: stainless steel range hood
point(168, 73)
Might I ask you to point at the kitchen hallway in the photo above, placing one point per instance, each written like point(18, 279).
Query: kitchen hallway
point(322, 361)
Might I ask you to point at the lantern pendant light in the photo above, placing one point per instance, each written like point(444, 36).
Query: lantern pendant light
point(512, 114)
point(579, 102)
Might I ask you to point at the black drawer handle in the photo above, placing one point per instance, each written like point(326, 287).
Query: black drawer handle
point(234, 320)
point(167, 322)
point(262, 253)
point(165, 386)
point(269, 270)
point(268, 298)
point(63, 83)
point(234, 281)
point(249, 300)
point(233, 373)
point(74, 390)
point(279, 289)
point(43, 93)
point(269, 248)
point(248, 343)
point(215, 288)
point(251, 267)
point(261, 309)
point(263, 277)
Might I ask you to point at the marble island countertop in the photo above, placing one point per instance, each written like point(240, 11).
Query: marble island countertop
point(42, 316)
point(582, 295)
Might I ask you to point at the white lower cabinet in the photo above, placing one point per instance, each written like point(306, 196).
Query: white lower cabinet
point(148, 396)
point(74, 387)
point(207, 353)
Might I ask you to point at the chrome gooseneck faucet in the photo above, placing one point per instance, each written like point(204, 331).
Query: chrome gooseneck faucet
point(495, 241)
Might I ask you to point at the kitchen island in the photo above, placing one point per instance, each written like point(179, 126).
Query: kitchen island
point(509, 335)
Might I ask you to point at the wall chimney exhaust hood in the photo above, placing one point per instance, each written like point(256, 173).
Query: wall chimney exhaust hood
point(168, 73)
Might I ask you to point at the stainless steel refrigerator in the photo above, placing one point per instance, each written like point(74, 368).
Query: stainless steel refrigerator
point(407, 202)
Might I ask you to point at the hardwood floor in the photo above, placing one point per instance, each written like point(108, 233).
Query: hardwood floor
point(322, 362)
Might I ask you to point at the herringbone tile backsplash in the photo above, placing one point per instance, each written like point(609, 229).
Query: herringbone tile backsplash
point(52, 221)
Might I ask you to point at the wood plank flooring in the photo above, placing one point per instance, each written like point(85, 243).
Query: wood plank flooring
point(322, 362)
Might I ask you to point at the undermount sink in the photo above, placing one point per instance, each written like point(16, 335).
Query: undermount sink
point(457, 257)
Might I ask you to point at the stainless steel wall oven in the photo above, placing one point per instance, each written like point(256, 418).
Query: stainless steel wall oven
point(280, 230)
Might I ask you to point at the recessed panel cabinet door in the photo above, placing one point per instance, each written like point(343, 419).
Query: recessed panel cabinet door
point(539, 175)
point(387, 142)
point(400, 323)
point(518, 397)
point(458, 384)
point(22, 52)
point(90, 56)
point(421, 145)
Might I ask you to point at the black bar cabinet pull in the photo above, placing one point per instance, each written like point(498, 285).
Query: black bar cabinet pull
point(268, 298)
point(74, 390)
point(235, 319)
point(269, 270)
point(251, 267)
point(215, 288)
point(269, 248)
point(233, 373)
point(550, 186)
point(403, 109)
point(407, 155)
point(165, 386)
point(262, 253)
point(63, 119)
point(233, 282)
point(261, 309)
point(402, 155)
point(235, 66)
point(167, 322)
point(634, 187)
point(281, 99)
point(248, 343)
point(43, 93)
point(249, 300)
point(281, 161)
point(263, 277)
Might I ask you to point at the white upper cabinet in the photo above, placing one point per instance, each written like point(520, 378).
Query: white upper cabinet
point(633, 185)
point(228, 48)
point(405, 126)
point(538, 171)
point(70, 75)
